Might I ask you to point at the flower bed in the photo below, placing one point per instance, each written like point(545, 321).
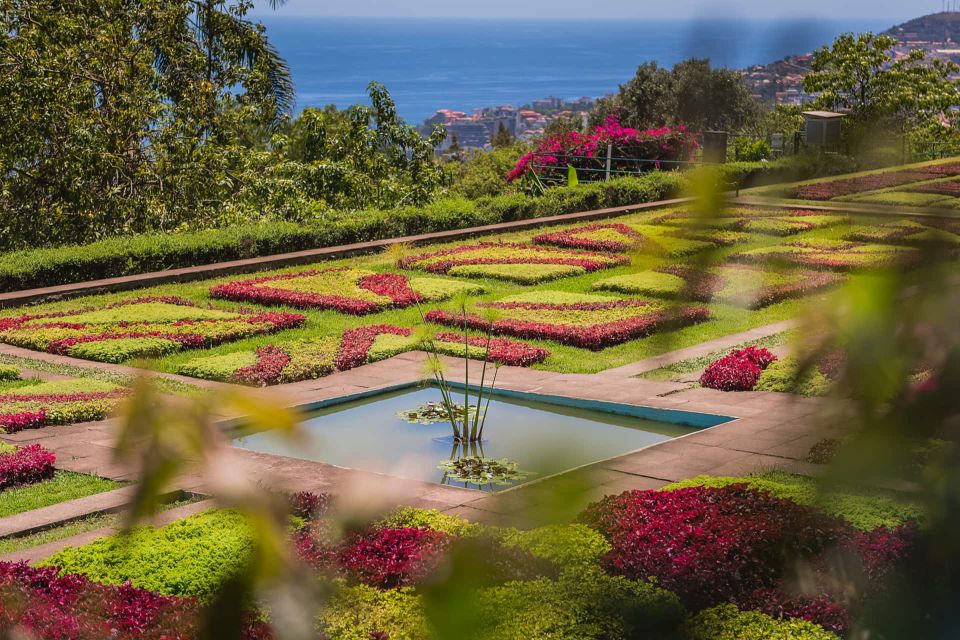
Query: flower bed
point(739, 370)
point(664, 148)
point(526, 263)
point(946, 188)
point(58, 402)
point(620, 237)
point(352, 291)
point(739, 285)
point(141, 327)
point(847, 186)
point(838, 257)
point(735, 544)
point(910, 233)
point(268, 365)
point(764, 222)
point(25, 465)
point(580, 320)
point(378, 342)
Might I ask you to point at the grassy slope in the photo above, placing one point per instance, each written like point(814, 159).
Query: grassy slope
point(65, 485)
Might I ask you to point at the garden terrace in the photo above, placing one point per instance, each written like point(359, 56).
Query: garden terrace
point(908, 232)
point(755, 220)
point(38, 404)
point(738, 285)
point(850, 256)
point(647, 238)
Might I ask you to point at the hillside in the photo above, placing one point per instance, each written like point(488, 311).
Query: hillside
point(936, 27)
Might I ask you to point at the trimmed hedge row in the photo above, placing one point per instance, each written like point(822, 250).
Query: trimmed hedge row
point(122, 256)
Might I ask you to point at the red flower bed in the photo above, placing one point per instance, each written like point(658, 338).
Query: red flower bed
point(356, 344)
point(588, 151)
point(392, 558)
point(266, 370)
point(847, 186)
point(507, 352)
point(574, 238)
point(595, 337)
point(38, 603)
point(26, 465)
point(393, 286)
point(16, 321)
point(950, 188)
point(13, 423)
point(709, 545)
point(739, 370)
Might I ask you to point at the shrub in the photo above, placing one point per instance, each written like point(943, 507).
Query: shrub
point(9, 372)
point(189, 557)
point(392, 558)
point(726, 622)
point(26, 465)
point(709, 545)
point(309, 506)
point(359, 612)
point(784, 376)
point(739, 370)
point(567, 546)
point(862, 508)
point(411, 517)
point(752, 150)
point(579, 605)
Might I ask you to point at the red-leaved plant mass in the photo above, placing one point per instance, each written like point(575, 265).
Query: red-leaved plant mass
point(666, 147)
point(26, 465)
point(739, 370)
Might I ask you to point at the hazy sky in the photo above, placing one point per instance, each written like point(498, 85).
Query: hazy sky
point(895, 10)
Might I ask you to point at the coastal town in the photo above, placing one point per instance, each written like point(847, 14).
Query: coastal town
point(775, 83)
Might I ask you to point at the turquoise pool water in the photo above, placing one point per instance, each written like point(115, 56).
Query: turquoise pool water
point(543, 438)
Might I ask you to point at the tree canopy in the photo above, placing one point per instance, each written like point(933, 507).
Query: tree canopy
point(126, 116)
point(692, 93)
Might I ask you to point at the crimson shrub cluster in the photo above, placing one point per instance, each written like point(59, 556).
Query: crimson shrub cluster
point(736, 544)
point(26, 465)
point(739, 370)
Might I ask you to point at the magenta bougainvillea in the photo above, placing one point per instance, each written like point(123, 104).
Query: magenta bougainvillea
point(739, 370)
point(661, 148)
point(344, 290)
point(26, 465)
point(39, 603)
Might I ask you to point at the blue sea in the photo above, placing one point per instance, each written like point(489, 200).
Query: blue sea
point(461, 64)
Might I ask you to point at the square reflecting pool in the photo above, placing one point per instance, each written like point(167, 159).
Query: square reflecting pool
point(541, 438)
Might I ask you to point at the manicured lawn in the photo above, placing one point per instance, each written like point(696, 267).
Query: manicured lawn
point(65, 485)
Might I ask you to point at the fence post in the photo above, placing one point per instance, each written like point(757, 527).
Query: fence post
point(609, 154)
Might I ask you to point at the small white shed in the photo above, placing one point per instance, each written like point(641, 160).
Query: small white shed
point(823, 128)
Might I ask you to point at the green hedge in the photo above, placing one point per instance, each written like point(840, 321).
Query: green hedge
point(746, 175)
point(726, 622)
point(155, 252)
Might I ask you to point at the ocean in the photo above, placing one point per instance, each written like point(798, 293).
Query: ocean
point(428, 64)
